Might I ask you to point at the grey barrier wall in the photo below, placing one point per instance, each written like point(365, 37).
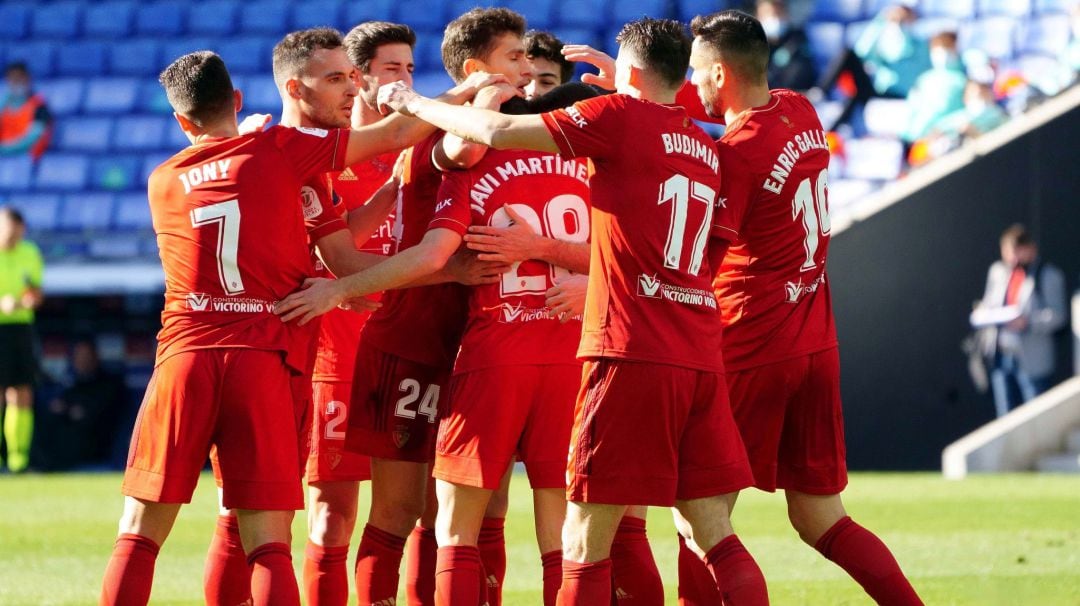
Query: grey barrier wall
point(903, 284)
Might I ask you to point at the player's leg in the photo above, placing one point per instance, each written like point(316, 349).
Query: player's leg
point(549, 513)
point(397, 500)
point(18, 426)
point(812, 471)
point(636, 579)
point(421, 554)
point(707, 529)
point(267, 536)
point(586, 543)
point(459, 573)
point(332, 509)
point(492, 540)
point(226, 576)
point(144, 526)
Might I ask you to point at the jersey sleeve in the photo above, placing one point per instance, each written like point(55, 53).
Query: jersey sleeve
point(592, 128)
point(312, 151)
point(320, 217)
point(453, 209)
point(736, 190)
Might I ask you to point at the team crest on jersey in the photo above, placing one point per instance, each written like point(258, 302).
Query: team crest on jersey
point(312, 204)
point(197, 301)
point(334, 459)
point(314, 132)
point(401, 436)
point(648, 286)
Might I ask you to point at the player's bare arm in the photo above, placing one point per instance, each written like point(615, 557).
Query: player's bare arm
point(566, 300)
point(453, 152)
point(339, 254)
point(519, 242)
point(471, 123)
point(364, 220)
point(398, 132)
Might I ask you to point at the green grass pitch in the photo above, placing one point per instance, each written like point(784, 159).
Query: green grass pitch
point(1011, 539)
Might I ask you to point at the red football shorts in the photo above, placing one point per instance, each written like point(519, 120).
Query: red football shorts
point(494, 413)
point(328, 461)
point(648, 434)
point(238, 401)
point(790, 419)
point(394, 411)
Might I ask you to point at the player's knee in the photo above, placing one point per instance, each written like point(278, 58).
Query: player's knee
point(332, 526)
point(397, 515)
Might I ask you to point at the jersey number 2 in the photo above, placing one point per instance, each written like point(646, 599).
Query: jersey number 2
point(226, 215)
point(566, 218)
point(811, 201)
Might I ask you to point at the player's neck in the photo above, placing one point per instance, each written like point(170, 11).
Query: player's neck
point(292, 117)
point(746, 100)
point(217, 131)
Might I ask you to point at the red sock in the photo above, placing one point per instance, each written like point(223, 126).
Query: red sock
point(552, 563)
point(863, 556)
point(585, 584)
point(635, 579)
point(492, 545)
point(737, 574)
point(377, 561)
point(130, 572)
point(326, 575)
point(420, 567)
point(697, 587)
point(273, 582)
point(226, 577)
point(459, 577)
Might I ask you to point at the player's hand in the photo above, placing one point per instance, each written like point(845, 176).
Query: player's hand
point(491, 97)
point(8, 304)
point(255, 123)
point(567, 298)
point(396, 97)
point(360, 304)
point(316, 297)
point(513, 244)
point(584, 53)
point(480, 80)
point(466, 268)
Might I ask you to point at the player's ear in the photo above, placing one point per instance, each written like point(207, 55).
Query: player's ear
point(238, 100)
point(717, 74)
point(186, 125)
point(292, 88)
point(636, 77)
point(472, 65)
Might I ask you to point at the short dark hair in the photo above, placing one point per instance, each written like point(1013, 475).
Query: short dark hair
point(292, 53)
point(662, 44)
point(17, 67)
point(545, 45)
point(198, 87)
point(738, 38)
point(563, 95)
point(364, 40)
point(13, 214)
point(473, 35)
point(1017, 235)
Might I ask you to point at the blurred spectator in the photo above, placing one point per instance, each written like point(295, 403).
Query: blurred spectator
point(1022, 307)
point(791, 64)
point(939, 91)
point(20, 293)
point(549, 67)
point(79, 426)
point(979, 115)
point(25, 121)
point(887, 59)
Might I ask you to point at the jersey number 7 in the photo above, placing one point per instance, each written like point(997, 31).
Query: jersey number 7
point(226, 216)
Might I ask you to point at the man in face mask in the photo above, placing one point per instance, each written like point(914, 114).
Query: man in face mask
point(939, 91)
point(25, 121)
point(791, 65)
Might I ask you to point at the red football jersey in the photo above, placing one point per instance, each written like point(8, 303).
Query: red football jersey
point(339, 332)
point(419, 324)
point(650, 294)
point(509, 322)
point(232, 235)
point(773, 293)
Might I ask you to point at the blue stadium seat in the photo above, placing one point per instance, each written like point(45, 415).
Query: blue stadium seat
point(160, 18)
point(996, 36)
point(1014, 8)
point(14, 20)
point(424, 15)
point(67, 172)
point(175, 139)
point(135, 133)
point(428, 54)
point(132, 212)
point(571, 35)
point(246, 55)
point(591, 15)
point(15, 173)
point(38, 210)
point(1053, 6)
point(111, 95)
point(84, 134)
point(115, 173)
point(135, 57)
point(826, 41)
point(260, 95)
point(539, 14)
point(39, 56)
point(927, 27)
point(269, 17)
point(150, 162)
point(1047, 34)
point(606, 40)
point(431, 82)
point(873, 158)
point(958, 9)
point(109, 19)
point(358, 12)
point(886, 117)
point(86, 211)
point(171, 50)
point(213, 18)
point(623, 11)
point(688, 9)
point(872, 8)
point(113, 246)
point(56, 20)
point(64, 96)
point(81, 59)
point(1042, 71)
point(319, 12)
point(152, 99)
point(852, 32)
point(844, 11)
